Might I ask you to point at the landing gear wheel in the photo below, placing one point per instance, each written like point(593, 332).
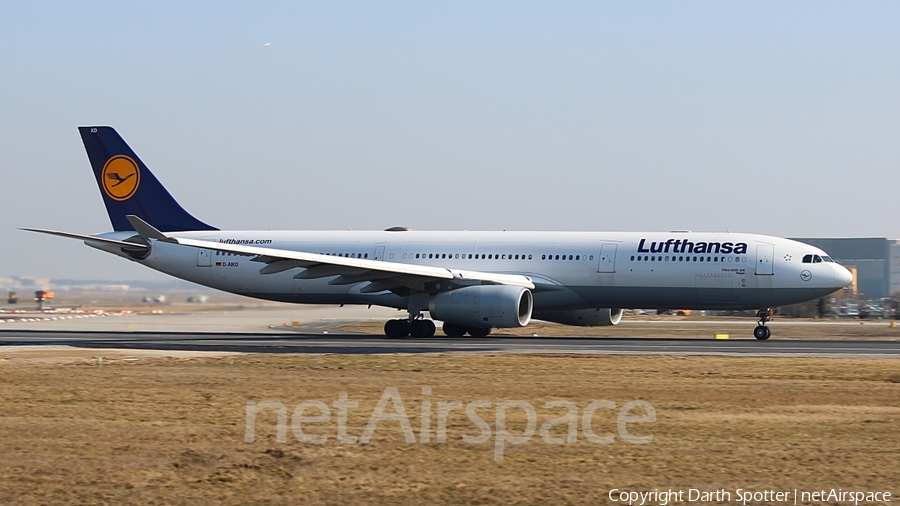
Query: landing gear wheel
point(396, 328)
point(454, 330)
point(479, 331)
point(421, 328)
point(761, 332)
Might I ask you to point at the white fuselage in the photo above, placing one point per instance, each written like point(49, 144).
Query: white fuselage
point(570, 270)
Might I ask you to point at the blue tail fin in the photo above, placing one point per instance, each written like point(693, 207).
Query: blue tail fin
point(128, 186)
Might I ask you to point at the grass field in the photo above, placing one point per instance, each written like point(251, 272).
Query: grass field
point(156, 430)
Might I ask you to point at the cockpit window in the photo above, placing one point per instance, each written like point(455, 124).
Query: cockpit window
point(807, 259)
point(828, 259)
point(817, 259)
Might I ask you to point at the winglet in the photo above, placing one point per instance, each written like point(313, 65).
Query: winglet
point(146, 230)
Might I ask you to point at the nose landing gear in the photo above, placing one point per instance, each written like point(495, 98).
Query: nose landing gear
point(761, 332)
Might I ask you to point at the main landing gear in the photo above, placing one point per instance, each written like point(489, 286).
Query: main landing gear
point(403, 328)
point(422, 328)
point(761, 332)
point(456, 330)
point(417, 326)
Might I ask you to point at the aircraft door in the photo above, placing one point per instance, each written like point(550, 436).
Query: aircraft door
point(765, 255)
point(204, 258)
point(607, 258)
point(379, 252)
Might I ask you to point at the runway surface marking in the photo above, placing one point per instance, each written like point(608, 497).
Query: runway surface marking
point(348, 343)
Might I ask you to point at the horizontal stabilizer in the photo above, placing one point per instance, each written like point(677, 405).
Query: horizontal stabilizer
point(88, 238)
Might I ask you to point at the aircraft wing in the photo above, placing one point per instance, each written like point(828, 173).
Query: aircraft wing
point(380, 274)
point(383, 275)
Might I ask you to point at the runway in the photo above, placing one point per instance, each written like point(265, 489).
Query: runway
point(290, 342)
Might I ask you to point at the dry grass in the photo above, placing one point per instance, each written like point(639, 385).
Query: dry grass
point(171, 431)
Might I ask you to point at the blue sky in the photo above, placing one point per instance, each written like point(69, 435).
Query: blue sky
point(769, 117)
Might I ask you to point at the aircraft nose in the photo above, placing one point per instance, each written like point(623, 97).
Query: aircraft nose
point(842, 276)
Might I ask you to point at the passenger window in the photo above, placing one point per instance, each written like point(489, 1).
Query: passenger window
point(592, 257)
point(557, 257)
point(632, 258)
point(543, 257)
point(529, 257)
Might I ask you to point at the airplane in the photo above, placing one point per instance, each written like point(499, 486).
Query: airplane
point(472, 281)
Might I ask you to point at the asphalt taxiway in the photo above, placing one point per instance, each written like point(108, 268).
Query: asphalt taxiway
point(294, 342)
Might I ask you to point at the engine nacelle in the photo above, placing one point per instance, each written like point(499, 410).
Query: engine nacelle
point(484, 306)
point(598, 317)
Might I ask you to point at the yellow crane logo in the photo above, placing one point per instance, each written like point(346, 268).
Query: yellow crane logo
point(120, 178)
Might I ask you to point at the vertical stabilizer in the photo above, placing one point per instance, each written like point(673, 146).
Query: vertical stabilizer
point(128, 186)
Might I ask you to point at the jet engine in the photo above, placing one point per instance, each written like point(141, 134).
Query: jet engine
point(597, 317)
point(483, 306)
